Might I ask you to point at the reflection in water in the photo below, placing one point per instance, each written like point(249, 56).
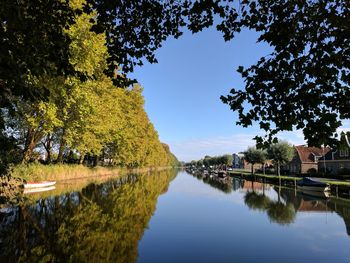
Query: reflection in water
point(102, 223)
point(277, 211)
point(218, 221)
point(289, 202)
point(223, 184)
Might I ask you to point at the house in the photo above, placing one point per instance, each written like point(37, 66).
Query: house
point(258, 166)
point(337, 161)
point(306, 159)
point(237, 160)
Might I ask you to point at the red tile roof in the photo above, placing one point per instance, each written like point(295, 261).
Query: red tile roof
point(307, 154)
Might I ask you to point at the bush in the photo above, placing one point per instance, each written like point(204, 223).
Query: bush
point(312, 171)
point(38, 172)
point(344, 171)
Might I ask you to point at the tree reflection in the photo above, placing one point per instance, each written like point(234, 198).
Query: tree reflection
point(277, 211)
point(224, 185)
point(102, 223)
point(283, 214)
point(257, 201)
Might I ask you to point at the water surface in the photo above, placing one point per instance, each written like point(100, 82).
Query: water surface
point(172, 216)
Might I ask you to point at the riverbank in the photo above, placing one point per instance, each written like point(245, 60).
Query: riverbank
point(336, 185)
point(61, 172)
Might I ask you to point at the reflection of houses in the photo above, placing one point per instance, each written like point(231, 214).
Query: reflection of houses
point(251, 185)
point(338, 160)
point(306, 159)
point(248, 185)
point(307, 203)
point(312, 206)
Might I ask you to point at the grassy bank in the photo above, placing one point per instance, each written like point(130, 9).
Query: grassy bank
point(247, 174)
point(59, 172)
point(267, 176)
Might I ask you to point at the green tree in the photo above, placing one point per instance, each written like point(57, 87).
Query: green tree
point(304, 82)
point(253, 156)
point(281, 153)
point(227, 159)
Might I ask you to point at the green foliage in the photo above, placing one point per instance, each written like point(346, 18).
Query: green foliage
point(281, 153)
point(225, 159)
point(87, 116)
point(312, 171)
point(253, 156)
point(304, 83)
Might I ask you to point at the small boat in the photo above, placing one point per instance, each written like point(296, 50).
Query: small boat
point(38, 190)
point(41, 184)
point(308, 184)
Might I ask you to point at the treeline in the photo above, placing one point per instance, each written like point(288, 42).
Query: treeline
point(213, 161)
point(82, 118)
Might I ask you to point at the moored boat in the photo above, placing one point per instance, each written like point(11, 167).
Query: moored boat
point(308, 184)
point(41, 184)
point(38, 189)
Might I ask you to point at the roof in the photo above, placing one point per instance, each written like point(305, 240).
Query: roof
point(308, 154)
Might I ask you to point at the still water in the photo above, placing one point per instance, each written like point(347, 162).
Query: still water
point(172, 216)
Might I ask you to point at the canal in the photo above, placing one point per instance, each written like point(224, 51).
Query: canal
point(172, 216)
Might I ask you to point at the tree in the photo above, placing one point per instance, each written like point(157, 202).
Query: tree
point(281, 153)
point(35, 42)
point(253, 156)
point(304, 83)
point(227, 159)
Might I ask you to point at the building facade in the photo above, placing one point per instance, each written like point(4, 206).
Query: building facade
point(306, 159)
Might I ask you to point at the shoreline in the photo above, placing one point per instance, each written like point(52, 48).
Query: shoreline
point(336, 186)
point(65, 172)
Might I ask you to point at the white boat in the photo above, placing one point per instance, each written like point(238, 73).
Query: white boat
point(38, 190)
point(308, 184)
point(41, 184)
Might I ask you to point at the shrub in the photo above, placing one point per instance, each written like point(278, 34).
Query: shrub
point(344, 171)
point(312, 171)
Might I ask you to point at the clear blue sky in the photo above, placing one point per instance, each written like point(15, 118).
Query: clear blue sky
point(182, 93)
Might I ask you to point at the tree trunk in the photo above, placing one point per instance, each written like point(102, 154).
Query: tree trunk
point(278, 168)
point(29, 145)
point(95, 160)
point(48, 147)
point(252, 168)
point(81, 159)
point(264, 168)
point(61, 149)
